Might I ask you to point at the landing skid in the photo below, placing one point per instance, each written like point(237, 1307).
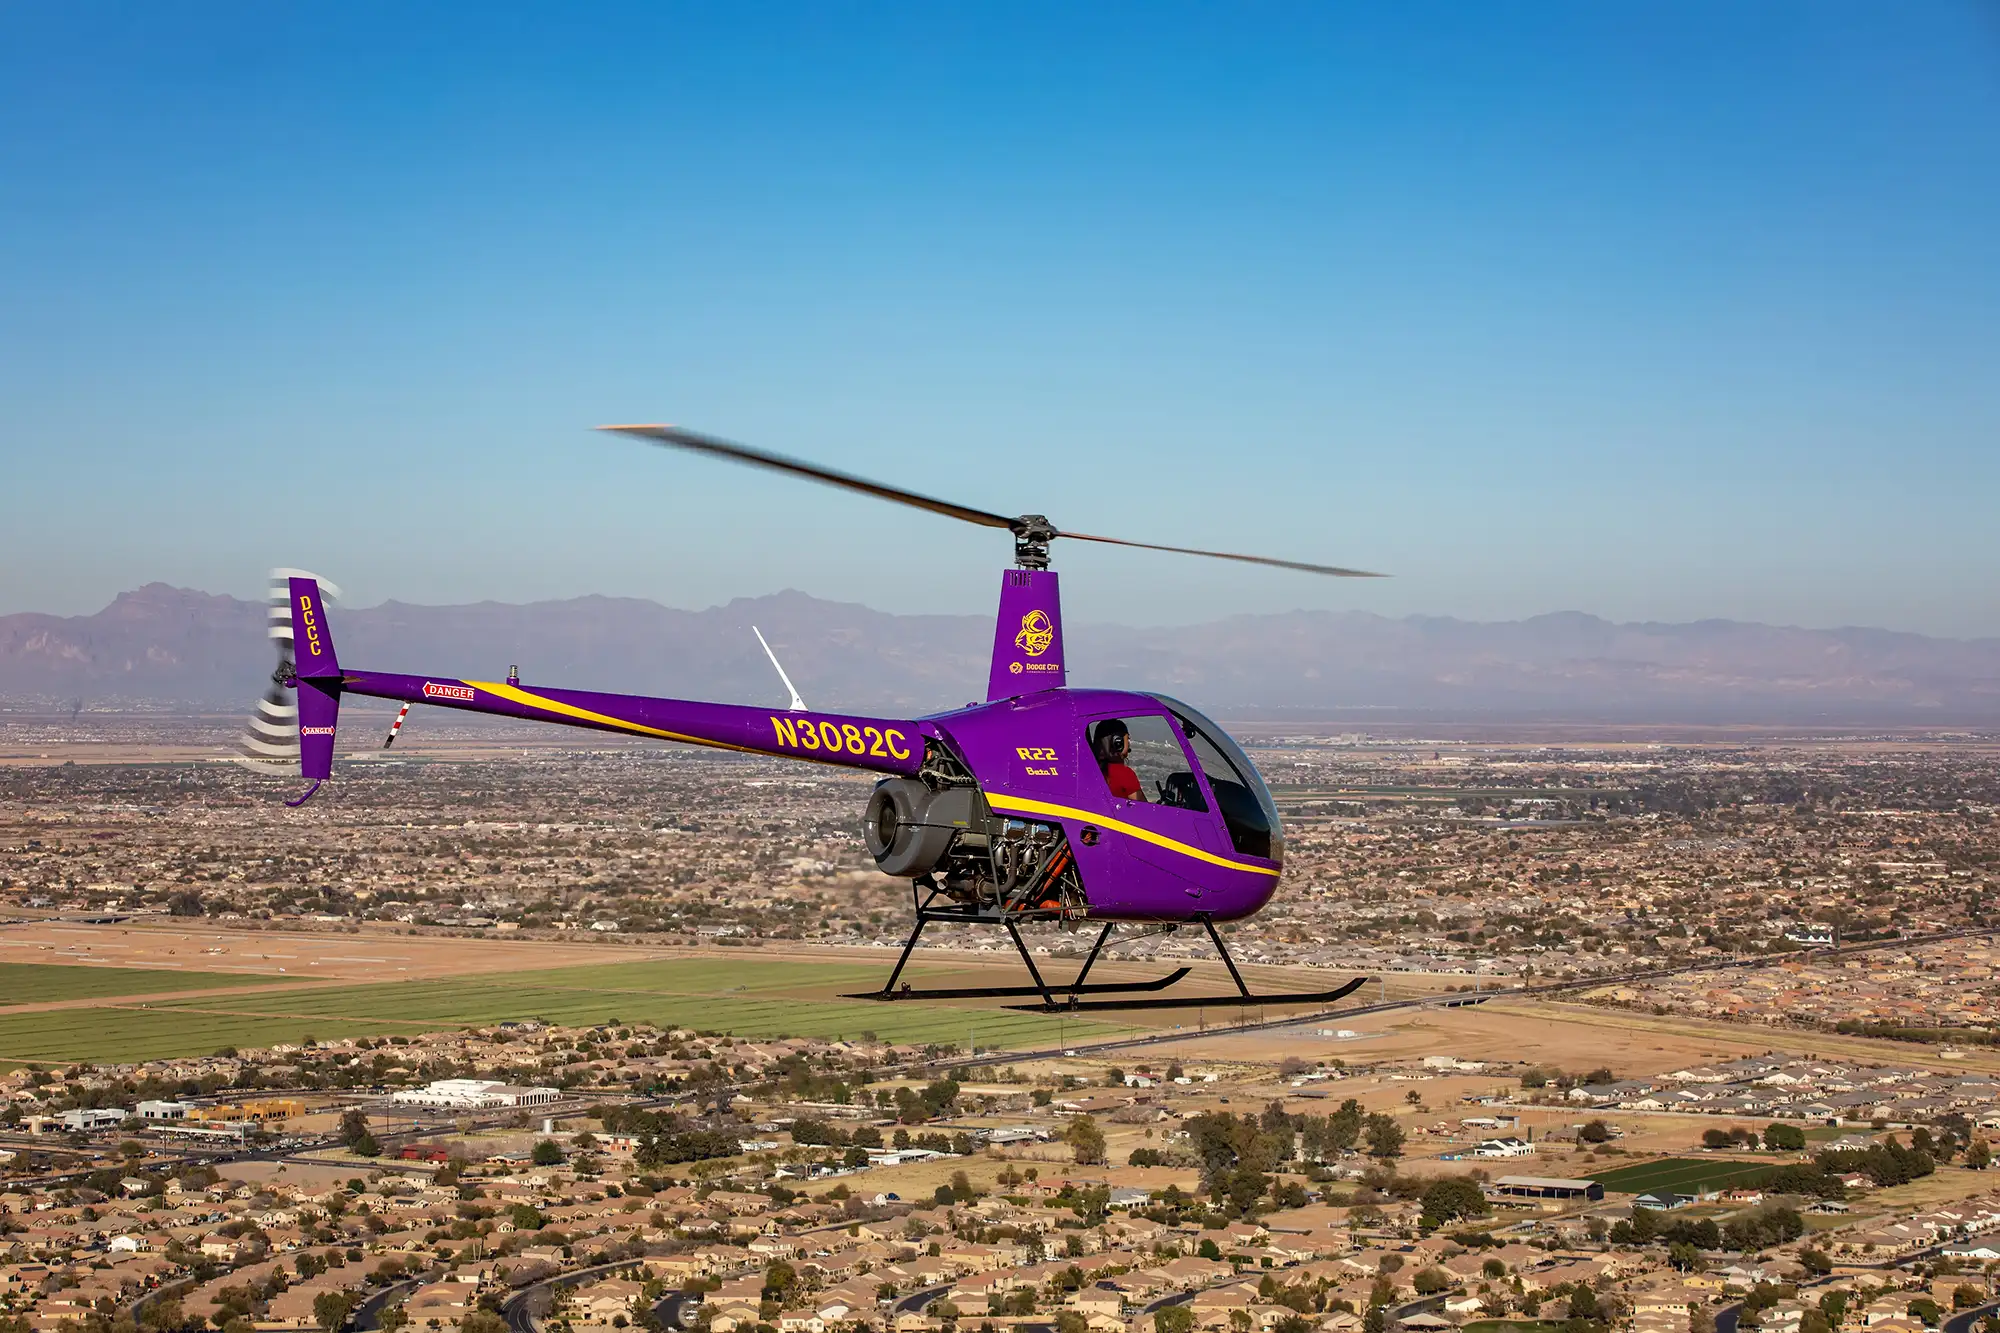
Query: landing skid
point(1069, 998)
point(1201, 1001)
point(908, 992)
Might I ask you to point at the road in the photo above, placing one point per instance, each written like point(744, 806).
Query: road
point(1965, 1320)
point(515, 1308)
point(915, 1302)
point(368, 1314)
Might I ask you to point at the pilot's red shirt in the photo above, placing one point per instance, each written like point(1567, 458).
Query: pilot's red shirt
point(1123, 781)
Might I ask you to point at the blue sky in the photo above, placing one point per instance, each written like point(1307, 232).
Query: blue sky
point(1655, 311)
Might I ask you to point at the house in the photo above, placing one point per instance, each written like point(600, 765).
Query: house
point(602, 1302)
point(1504, 1147)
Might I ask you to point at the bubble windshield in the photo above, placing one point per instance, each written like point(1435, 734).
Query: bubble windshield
point(1247, 807)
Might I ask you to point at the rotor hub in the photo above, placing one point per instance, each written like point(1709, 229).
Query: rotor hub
point(1032, 535)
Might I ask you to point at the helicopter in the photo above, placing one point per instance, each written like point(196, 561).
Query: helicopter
point(1044, 803)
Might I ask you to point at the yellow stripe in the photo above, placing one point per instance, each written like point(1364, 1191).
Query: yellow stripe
point(514, 694)
point(1027, 807)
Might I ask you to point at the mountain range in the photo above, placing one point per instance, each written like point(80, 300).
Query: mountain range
point(166, 645)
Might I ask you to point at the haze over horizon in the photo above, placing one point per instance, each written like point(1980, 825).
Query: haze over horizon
point(697, 604)
point(169, 645)
point(1663, 313)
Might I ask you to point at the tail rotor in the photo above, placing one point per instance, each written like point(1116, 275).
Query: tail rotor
point(270, 741)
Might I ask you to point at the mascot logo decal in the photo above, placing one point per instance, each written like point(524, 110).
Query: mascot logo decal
point(1037, 633)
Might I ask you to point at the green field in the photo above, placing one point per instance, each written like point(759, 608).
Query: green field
point(123, 1035)
point(33, 983)
point(1683, 1175)
point(750, 998)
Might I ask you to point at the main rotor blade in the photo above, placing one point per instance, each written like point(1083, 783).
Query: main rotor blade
point(1334, 570)
point(704, 444)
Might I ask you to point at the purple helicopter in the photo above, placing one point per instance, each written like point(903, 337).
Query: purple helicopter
point(1044, 803)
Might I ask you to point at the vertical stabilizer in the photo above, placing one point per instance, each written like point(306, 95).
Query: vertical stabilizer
point(1027, 638)
point(318, 679)
point(312, 636)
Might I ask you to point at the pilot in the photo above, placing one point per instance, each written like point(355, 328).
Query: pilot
point(1112, 745)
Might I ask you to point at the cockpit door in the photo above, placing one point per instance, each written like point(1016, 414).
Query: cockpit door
point(1167, 823)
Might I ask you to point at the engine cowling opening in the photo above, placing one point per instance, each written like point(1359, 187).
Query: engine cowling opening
point(909, 828)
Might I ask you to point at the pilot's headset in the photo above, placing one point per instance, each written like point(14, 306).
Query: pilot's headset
point(1105, 743)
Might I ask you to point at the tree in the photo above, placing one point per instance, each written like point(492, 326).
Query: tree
point(1716, 1138)
point(331, 1308)
point(1784, 1138)
point(1980, 1155)
point(1246, 1185)
point(365, 1146)
point(1452, 1198)
point(1684, 1256)
point(1384, 1137)
point(1964, 1297)
point(163, 1314)
point(186, 903)
point(1207, 1250)
point(1595, 1131)
point(780, 1278)
point(1926, 1309)
point(1173, 1319)
point(547, 1153)
point(1701, 1319)
point(353, 1124)
point(1071, 1321)
point(1086, 1140)
point(1431, 1281)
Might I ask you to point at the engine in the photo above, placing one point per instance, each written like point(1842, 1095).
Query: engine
point(910, 826)
point(915, 830)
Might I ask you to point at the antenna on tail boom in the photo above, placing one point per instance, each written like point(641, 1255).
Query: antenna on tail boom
point(797, 705)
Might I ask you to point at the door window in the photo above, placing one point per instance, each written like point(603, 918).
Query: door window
point(1142, 760)
point(1246, 804)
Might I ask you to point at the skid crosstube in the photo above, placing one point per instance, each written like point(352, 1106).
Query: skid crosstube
point(1014, 992)
point(1197, 1001)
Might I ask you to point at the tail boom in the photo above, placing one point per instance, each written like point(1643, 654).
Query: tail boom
point(882, 745)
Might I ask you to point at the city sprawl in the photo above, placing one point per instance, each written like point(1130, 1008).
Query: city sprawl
point(1677, 1032)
